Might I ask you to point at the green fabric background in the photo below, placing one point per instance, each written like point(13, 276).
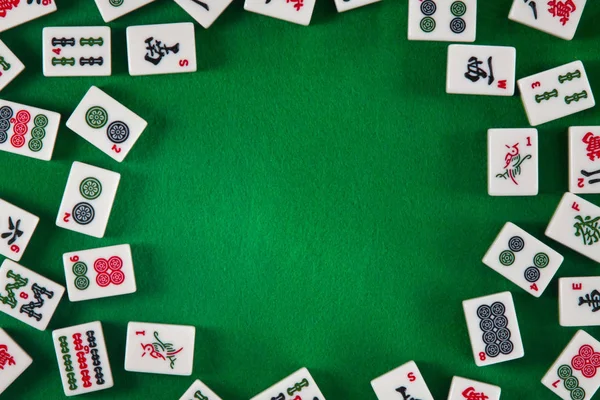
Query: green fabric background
point(310, 197)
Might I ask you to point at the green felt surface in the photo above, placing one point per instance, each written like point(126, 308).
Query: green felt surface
point(310, 197)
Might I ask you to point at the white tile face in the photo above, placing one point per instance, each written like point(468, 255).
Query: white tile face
point(556, 17)
point(404, 382)
point(106, 123)
point(16, 228)
point(14, 13)
point(161, 49)
point(102, 272)
point(463, 388)
point(10, 65)
point(556, 93)
point(484, 70)
point(13, 360)
point(88, 199)
point(442, 20)
point(574, 374)
point(295, 11)
point(579, 301)
point(199, 391)
point(299, 384)
point(493, 329)
point(345, 5)
point(28, 131)
point(204, 11)
point(77, 51)
point(27, 296)
point(160, 348)
point(82, 358)
point(113, 9)
point(584, 159)
point(523, 260)
point(575, 225)
point(513, 162)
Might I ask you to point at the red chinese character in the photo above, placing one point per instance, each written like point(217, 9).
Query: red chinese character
point(7, 5)
point(470, 394)
point(298, 5)
point(5, 358)
point(562, 9)
point(593, 145)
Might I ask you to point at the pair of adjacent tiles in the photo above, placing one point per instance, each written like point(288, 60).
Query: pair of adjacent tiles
point(482, 70)
point(161, 49)
point(76, 51)
point(160, 348)
point(574, 375)
point(493, 329)
point(405, 381)
point(442, 20)
point(199, 391)
point(88, 199)
point(556, 17)
point(523, 259)
point(579, 301)
point(28, 131)
point(14, 13)
point(98, 273)
point(575, 225)
point(28, 296)
point(299, 384)
point(16, 230)
point(556, 93)
point(106, 123)
point(82, 358)
point(584, 159)
point(10, 65)
point(13, 360)
point(513, 162)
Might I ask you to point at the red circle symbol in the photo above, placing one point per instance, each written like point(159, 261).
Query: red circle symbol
point(587, 361)
point(23, 116)
point(117, 277)
point(115, 263)
point(20, 129)
point(101, 265)
point(103, 280)
point(17, 141)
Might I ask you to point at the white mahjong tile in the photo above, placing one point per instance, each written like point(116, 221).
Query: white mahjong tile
point(13, 360)
point(405, 381)
point(16, 228)
point(579, 301)
point(160, 348)
point(101, 272)
point(493, 329)
point(106, 123)
point(513, 162)
point(10, 65)
point(82, 358)
point(199, 391)
point(556, 17)
point(28, 131)
point(556, 93)
point(88, 199)
point(345, 5)
point(574, 375)
point(14, 12)
point(463, 388)
point(442, 20)
point(523, 259)
point(76, 51)
point(113, 9)
point(204, 11)
point(299, 384)
point(575, 225)
point(295, 11)
point(584, 159)
point(161, 49)
point(28, 296)
point(484, 70)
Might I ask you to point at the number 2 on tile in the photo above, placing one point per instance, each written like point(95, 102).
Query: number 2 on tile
point(116, 149)
point(66, 217)
point(580, 183)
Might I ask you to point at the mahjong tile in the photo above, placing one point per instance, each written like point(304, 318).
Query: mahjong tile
point(13, 360)
point(405, 381)
point(16, 228)
point(10, 65)
point(113, 9)
point(17, 12)
point(204, 11)
point(299, 384)
point(199, 391)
